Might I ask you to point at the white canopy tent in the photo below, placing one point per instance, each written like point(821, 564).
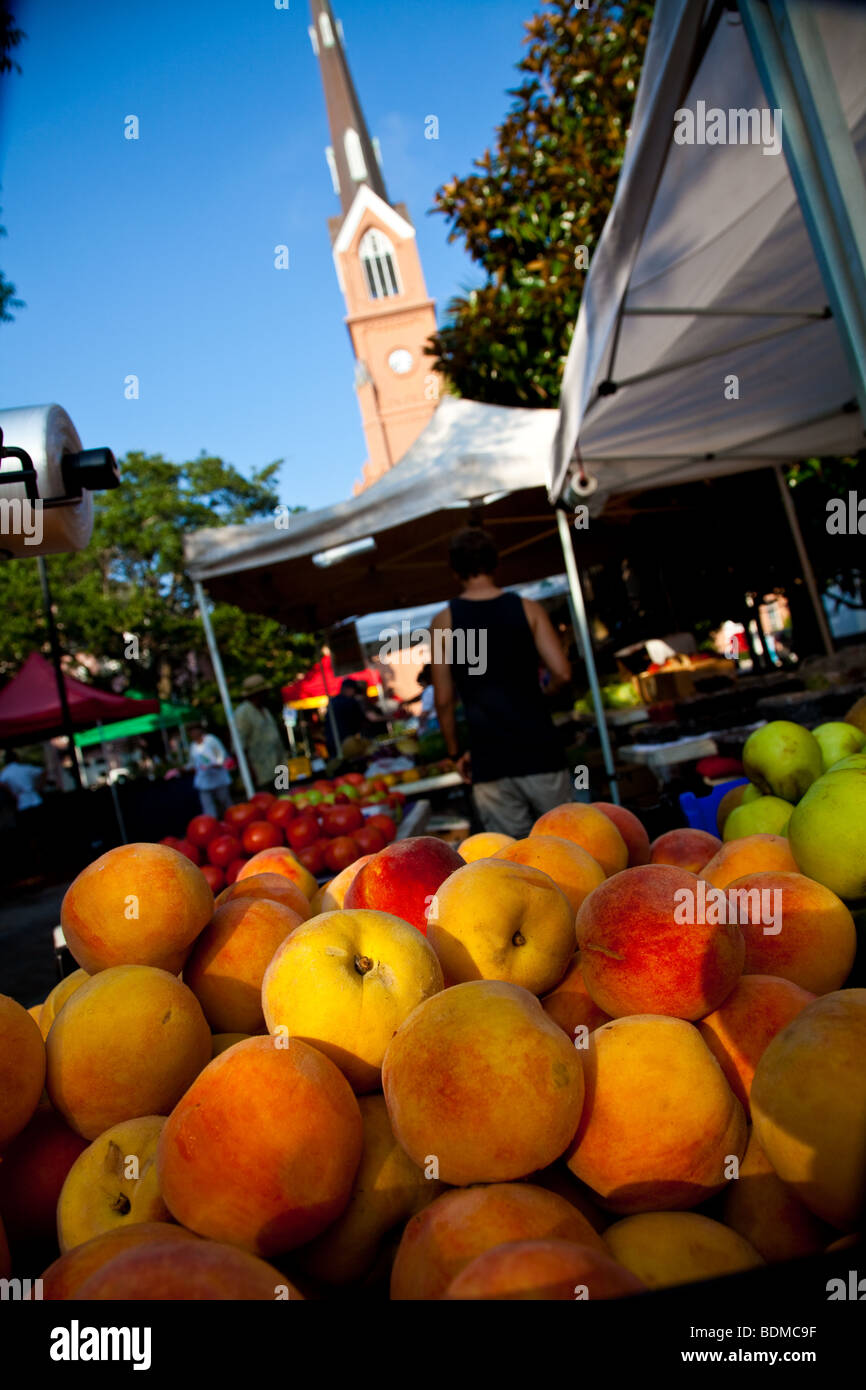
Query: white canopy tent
point(723, 321)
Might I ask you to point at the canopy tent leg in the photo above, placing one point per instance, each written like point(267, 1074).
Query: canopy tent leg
point(792, 64)
point(216, 662)
point(805, 562)
point(581, 628)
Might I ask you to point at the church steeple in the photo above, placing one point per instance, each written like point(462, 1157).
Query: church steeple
point(352, 156)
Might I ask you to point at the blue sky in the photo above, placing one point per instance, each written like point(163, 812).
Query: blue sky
point(156, 257)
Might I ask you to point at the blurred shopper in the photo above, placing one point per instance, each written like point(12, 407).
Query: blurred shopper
point(208, 756)
point(487, 648)
point(23, 781)
point(427, 720)
point(259, 733)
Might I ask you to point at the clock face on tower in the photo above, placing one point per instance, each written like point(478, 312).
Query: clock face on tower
point(401, 361)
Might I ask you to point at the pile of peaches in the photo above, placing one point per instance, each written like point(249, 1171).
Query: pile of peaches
point(326, 829)
point(566, 1067)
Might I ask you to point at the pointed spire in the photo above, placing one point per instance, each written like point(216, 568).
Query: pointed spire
point(352, 156)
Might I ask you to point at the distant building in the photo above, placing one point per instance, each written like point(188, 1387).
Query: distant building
point(389, 313)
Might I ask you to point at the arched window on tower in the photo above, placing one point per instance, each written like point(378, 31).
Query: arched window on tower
point(380, 264)
point(355, 155)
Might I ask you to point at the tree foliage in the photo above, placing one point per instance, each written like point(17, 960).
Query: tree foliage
point(10, 37)
point(838, 560)
point(543, 192)
point(130, 584)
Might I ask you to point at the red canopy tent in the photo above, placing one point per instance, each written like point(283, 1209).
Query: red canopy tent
point(310, 691)
point(30, 704)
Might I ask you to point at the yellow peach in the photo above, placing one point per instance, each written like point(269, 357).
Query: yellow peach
point(664, 1248)
point(113, 1184)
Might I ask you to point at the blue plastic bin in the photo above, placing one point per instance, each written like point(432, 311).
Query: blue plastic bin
point(701, 811)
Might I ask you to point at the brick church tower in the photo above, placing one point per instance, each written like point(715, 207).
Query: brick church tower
point(389, 314)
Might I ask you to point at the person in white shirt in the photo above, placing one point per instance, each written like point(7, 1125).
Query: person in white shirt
point(23, 780)
point(212, 779)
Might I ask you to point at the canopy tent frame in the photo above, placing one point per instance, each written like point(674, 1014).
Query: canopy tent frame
point(216, 661)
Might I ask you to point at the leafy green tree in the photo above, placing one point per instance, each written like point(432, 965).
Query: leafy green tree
point(10, 37)
point(539, 196)
point(126, 598)
point(837, 559)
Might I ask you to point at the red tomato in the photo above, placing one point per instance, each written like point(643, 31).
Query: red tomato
point(312, 858)
point(202, 829)
point(342, 820)
point(260, 834)
point(171, 840)
point(384, 823)
point(280, 813)
point(214, 876)
point(369, 839)
point(342, 852)
point(303, 832)
point(223, 850)
point(323, 786)
point(233, 870)
point(353, 778)
point(263, 800)
point(191, 851)
point(236, 817)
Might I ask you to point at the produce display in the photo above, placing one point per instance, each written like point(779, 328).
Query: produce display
point(328, 826)
point(582, 1065)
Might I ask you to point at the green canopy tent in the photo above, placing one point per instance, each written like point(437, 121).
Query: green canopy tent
point(169, 716)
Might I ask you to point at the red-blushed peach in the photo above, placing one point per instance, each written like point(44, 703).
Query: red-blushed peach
point(331, 896)
point(762, 1209)
point(642, 951)
point(57, 998)
point(570, 1005)
point(389, 1189)
point(750, 855)
point(22, 1068)
point(345, 982)
point(189, 1271)
point(275, 887)
point(279, 861)
point(113, 1183)
point(588, 827)
point(403, 878)
point(665, 1248)
point(263, 1148)
point(33, 1171)
point(812, 939)
point(573, 871)
point(483, 845)
point(127, 1043)
point(479, 1078)
point(64, 1277)
point(685, 848)
point(227, 964)
point(498, 920)
point(660, 1124)
point(459, 1226)
point(138, 904)
point(542, 1270)
point(631, 829)
point(739, 1031)
point(809, 1106)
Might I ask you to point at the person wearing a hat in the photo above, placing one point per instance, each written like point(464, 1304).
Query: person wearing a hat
point(259, 733)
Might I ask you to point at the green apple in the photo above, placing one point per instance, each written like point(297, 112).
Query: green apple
point(838, 741)
point(828, 832)
point(769, 815)
point(783, 759)
point(750, 793)
point(856, 761)
point(351, 792)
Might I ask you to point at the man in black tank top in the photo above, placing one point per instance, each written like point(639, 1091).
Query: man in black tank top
point(487, 649)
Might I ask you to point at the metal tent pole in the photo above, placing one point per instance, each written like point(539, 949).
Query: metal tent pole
point(112, 787)
point(216, 662)
point(792, 64)
point(805, 562)
point(581, 626)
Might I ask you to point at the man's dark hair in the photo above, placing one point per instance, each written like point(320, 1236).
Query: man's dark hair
point(348, 686)
point(472, 551)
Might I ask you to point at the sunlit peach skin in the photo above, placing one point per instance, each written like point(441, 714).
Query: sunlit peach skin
point(752, 854)
point(739, 1031)
point(588, 827)
point(685, 849)
point(573, 871)
point(631, 829)
point(227, 964)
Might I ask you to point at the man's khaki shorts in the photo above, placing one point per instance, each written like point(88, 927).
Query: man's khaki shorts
point(512, 805)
